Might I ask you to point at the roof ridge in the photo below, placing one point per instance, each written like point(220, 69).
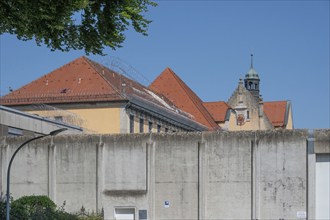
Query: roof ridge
point(91, 63)
point(208, 117)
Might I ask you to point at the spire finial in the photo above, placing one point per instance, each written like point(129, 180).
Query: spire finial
point(251, 60)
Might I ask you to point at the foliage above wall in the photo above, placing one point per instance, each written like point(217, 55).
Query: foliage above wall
point(41, 208)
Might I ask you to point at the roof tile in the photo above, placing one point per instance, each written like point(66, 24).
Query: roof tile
point(172, 87)
point(83, 80)
point(75, 81)
point(218, 110)
point(276, 112)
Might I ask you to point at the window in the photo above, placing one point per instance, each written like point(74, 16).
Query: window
point(166, 130)
point(159, 128)
point(124, 213)
point(141, 125)
point(131, 124)
point(150, 126)
point(248, 114)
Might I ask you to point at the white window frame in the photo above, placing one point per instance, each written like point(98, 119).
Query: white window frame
point(124, 207)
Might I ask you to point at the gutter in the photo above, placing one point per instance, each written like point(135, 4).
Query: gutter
point(161, 112)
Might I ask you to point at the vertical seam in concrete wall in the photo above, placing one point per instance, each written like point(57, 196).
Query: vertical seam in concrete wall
point(202, 180)
point(99, 174)
point(48, 172)
point(256, 164)
point(310, 175)
point(252, 182)
point(2, 167)
point(198, 179)
point(52, 170)
point(310, 142)
point(151, 179)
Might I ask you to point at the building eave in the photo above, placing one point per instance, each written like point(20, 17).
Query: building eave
point(138, 103)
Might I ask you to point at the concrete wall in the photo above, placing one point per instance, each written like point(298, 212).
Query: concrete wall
point(227, 175)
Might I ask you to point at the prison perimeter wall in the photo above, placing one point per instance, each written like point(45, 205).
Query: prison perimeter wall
point(225, 175)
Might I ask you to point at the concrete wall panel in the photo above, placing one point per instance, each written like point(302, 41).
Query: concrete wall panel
point(76, 171)
point(29, 171)
point(282, 174)
point(322, 142)
point(229, 176)
point(176, 177)
point(126, 163)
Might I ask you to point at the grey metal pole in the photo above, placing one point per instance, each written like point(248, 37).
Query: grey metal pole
point(53, 133)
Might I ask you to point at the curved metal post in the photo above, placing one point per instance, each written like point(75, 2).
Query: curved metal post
point(53, 133)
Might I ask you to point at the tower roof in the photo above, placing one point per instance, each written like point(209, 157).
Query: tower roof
point(252, 73)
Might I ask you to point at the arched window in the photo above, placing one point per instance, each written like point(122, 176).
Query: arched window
point(250, 85)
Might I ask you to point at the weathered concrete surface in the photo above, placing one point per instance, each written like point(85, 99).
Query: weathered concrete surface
point(281, 174)
point(176, 176)
point(122, 173)
point(227, 175)
point(322, 141)
point(75, 169)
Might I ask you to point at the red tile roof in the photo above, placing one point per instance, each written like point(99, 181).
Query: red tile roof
point(218, 110)
point(171, 86)
point(77, 81)
point(276, 112)
point(82, 80)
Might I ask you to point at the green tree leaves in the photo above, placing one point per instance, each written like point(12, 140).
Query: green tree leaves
point(74, 24)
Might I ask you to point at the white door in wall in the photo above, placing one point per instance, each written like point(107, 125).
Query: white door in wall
point(125, 213)
point(322, 187)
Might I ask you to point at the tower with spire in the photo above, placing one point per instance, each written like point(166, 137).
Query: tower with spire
point(252, 81)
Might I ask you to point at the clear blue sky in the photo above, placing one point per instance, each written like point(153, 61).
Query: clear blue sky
point(208, 44)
